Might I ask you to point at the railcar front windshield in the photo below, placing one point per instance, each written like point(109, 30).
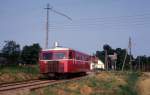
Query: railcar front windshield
point(59, 55)
point(53, 55)
point(47, 56)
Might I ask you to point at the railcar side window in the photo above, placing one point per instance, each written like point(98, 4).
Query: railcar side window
point(87, 58)
point(47, 56)
point(77, 57)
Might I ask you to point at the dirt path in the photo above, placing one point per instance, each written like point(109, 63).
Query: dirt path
point(143, 84)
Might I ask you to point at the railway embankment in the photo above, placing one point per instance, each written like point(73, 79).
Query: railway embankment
point(143, 84)
point(18, 73)
point(103, 83)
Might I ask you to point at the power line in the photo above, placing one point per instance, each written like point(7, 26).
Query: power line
point(109, 20)
point(119, 22)
point(139, 16)
point(48, 8)
point(76, 24)
point(100, 25)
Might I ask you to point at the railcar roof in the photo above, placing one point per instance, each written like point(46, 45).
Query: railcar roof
point(62, 48)
point(57, 48)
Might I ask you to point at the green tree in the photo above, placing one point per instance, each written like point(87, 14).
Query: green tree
point(11, 51)
point(120, 56)
point(108, 48)
point(101, 55)
point(30, 54)
point(142, 63)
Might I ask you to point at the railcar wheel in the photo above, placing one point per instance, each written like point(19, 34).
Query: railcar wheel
point(61, 76)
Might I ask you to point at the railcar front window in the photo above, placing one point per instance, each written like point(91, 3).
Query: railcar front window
point(47, 56)
point(59, 55)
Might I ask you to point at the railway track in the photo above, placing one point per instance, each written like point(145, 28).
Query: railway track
point(17, 83)
point(31, 85)
point(26, 84)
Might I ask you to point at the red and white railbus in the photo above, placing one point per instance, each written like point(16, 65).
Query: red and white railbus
point(59, 61)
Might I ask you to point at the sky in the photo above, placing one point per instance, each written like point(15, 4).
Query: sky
point(94, 23)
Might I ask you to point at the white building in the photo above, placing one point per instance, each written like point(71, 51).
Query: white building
point(99, 65)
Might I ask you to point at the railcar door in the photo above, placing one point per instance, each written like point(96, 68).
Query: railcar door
point(71, 61)
point(72, 56)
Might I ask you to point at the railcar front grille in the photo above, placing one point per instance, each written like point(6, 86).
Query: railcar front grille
point(53, 66)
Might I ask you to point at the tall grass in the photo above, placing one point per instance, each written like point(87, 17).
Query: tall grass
point(19, 69)
point(106, 86)
point(129, 88)
point(15, 73)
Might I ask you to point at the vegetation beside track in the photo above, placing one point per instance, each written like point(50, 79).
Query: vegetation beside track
point(130, 87)
point(104, 83)
point(18, 73)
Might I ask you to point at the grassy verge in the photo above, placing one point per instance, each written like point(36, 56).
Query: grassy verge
point(104, 83)
point(17, 69)
point(129, 88)
point(18, 73)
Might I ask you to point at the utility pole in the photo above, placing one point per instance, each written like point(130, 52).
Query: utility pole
point(124, 59)
point(48, 8)
point(47, 26)
point(106, 60)
point(130, 54)
point(130, 46)
point(139, 64)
